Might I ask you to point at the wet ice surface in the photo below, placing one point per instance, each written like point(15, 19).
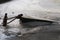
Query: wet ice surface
point(10, 32)
point(43, 32)
point(31, 30)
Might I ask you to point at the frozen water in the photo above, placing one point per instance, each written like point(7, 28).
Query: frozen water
point(48, 9)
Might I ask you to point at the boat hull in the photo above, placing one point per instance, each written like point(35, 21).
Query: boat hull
point(25, 20)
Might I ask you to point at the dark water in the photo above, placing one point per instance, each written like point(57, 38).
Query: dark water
point(4, 1)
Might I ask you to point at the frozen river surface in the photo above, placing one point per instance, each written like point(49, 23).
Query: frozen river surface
point(48, 9)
